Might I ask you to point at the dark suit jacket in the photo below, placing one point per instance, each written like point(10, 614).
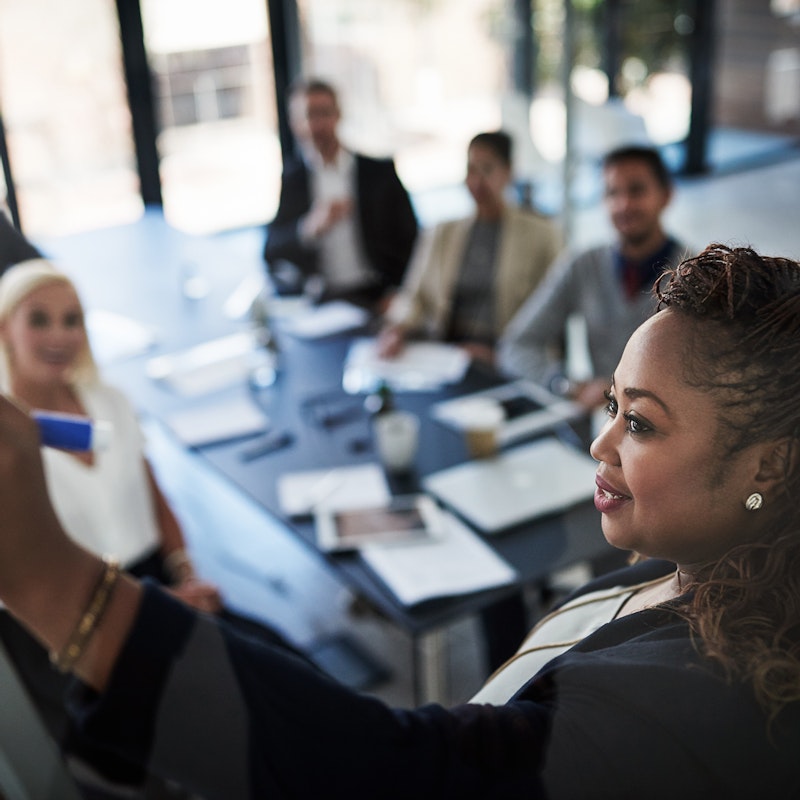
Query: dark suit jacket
point(385, 219)
point(14, 247)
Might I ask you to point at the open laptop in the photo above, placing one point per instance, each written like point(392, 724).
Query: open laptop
point(516, 486)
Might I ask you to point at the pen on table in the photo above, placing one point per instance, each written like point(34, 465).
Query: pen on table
point(275, 440)
point(324, 488)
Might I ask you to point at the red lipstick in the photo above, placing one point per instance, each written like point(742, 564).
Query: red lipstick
point(606, 498)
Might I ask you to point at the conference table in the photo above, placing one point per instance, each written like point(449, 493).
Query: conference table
point(309, 389)
point(141, 271)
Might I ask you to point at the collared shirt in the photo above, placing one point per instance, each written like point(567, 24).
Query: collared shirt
point(639, 276)
point(342, 260)
point(585, 284)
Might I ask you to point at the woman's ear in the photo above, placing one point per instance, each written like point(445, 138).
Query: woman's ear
point(778, 459)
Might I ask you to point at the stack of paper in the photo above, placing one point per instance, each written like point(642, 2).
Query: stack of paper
point(421, 366)
point(339, 488)
point(218, 421)
point(454, 562)
point(212, 365)
point(326, 320)
point(115, 337)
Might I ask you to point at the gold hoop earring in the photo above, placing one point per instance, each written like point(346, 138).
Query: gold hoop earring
point(754, 502)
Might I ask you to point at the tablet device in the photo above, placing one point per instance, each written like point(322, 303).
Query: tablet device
point(529, 409)
point(405, 518)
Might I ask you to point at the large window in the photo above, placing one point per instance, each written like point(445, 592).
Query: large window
point(215, 98)
point(418, 78)
point(630, 74)
point(65, 110)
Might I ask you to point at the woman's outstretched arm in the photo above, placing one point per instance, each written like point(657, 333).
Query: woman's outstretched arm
point(46, 580)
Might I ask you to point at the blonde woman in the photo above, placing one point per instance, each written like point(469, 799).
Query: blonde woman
point(107, 501)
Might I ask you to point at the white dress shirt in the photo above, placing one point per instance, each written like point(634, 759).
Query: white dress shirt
point(342, 260)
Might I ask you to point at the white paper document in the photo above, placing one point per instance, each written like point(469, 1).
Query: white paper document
point(326, 320)
point(219, 421)
point(213, 365)
point(421, 366)
point(115, 337)
point(337, 488)
point(454, 562)
point(242, 298)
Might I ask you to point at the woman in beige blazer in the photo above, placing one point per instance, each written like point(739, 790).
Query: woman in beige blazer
point(469, 276)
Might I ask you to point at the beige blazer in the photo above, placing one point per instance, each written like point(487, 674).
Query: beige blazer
point(528, 245)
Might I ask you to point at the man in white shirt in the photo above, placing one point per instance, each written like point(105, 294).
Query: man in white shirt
point(345, 222)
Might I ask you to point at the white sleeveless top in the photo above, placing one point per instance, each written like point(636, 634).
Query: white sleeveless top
point(553, 635)
point(107, 507)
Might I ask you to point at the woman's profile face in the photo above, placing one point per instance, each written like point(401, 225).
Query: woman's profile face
point(665, 488)
point(45, 334)
point(487, 176)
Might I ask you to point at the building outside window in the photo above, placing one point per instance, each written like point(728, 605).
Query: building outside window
point(218, 143)
point(65, 111)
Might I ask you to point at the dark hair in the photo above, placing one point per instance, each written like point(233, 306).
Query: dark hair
point(647, 155)
point(742, 314)
point(304, 85)
point(499, 142)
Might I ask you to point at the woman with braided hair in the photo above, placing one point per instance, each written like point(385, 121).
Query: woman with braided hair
point(742, 345)
point(678, 676)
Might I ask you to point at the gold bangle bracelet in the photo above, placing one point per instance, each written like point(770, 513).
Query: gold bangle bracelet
point(90, 619)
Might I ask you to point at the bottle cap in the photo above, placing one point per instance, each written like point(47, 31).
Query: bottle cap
point(101, 435)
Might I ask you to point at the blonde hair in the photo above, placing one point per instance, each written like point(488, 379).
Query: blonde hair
point(17, 283)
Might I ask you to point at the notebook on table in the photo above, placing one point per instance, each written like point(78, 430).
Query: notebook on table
point(517, 485)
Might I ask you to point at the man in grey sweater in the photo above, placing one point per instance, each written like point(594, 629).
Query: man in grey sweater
point(608, 285)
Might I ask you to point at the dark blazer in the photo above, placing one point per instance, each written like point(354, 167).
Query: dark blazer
point(629, 712)
point(14, 247)
point(386, 219)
